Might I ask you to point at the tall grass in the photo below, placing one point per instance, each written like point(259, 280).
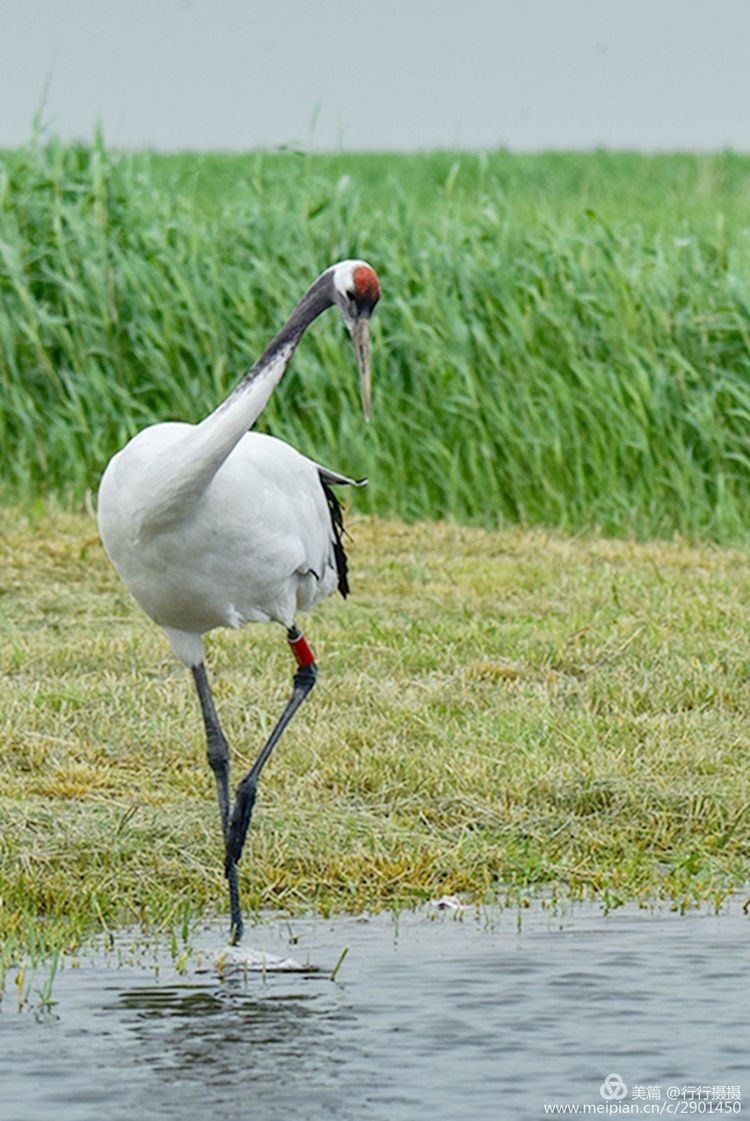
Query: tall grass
point(562, 339)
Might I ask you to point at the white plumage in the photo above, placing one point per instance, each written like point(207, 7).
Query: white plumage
point(254, 545)
point(211, 525)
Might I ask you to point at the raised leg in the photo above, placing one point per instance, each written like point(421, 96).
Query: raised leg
point(218, 759)
point(304, 679)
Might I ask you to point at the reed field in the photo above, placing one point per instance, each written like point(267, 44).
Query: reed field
point(542, 678)
point(563, 339)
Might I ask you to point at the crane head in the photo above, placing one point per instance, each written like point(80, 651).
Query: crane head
point(356, 291)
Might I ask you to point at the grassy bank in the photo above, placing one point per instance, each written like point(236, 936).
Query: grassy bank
point(563, 339)
point(497, 712)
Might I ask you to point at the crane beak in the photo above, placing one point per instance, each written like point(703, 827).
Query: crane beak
point(361, 339)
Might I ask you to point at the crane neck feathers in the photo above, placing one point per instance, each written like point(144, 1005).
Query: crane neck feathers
point(192, 467)
point(318, 298)
point(249, 398)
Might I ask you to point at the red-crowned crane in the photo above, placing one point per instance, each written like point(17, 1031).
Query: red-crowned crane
point(210, 525)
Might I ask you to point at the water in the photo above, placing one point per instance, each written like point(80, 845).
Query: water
point(428, 1017)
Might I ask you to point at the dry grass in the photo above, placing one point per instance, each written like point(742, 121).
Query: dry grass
point(496, 712)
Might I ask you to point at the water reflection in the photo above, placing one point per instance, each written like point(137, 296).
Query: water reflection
point(279, 1043)
point(425, 1019)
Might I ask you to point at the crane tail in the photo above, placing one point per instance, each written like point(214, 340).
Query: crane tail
point(337, 525)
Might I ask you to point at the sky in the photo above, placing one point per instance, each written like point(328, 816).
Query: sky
point(379, 74)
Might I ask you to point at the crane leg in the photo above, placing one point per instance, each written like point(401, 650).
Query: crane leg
point(218, 759)
point(304, 679)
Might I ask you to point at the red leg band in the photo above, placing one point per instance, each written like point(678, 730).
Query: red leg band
point(301, 651)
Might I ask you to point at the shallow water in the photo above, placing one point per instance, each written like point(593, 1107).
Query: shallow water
point(493, 1015)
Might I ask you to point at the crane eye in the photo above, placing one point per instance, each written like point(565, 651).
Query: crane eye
point(351, 294)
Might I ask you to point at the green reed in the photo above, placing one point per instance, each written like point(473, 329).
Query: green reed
point(563, 339)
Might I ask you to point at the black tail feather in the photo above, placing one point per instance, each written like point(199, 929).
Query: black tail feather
point(337, 524)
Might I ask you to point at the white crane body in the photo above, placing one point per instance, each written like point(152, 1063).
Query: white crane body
point(211, 525)
point(253, 545)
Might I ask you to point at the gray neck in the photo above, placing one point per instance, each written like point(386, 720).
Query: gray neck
point(318, 298)
point(192, 463)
